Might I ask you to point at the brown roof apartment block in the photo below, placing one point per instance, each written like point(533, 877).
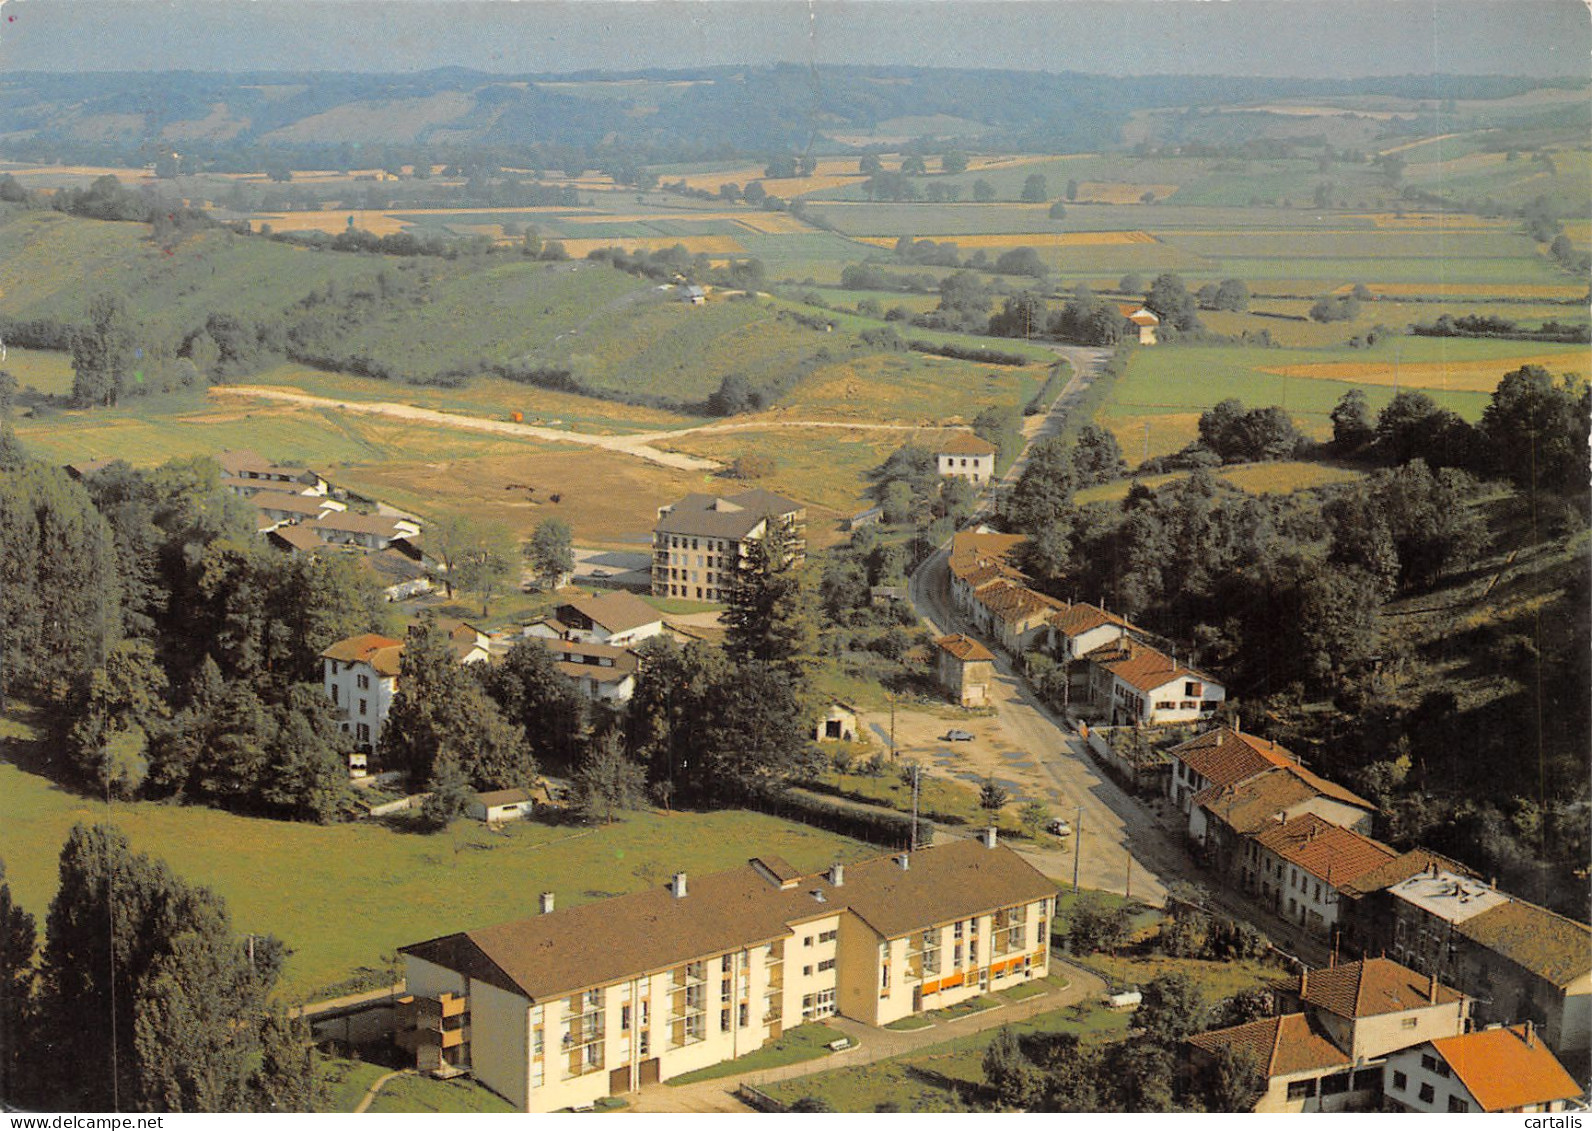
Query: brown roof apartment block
point(1224, 756)
point(723, 516)
point(553, 955)
point(964, 648)
point(1367, 989)
point(616, 612)
point(1323, 849)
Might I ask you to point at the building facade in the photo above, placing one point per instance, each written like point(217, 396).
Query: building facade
point(966, 456)
point(570, 1006)
point(701, 543)
point(360, 676)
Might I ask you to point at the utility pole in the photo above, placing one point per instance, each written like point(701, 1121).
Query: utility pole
point(893, 752)
point(1129, 891)
point(1077, 847)
point(916, 770)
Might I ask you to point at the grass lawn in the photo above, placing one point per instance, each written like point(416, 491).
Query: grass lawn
point(910, 1022)
point(805, 1042)
point(1024, 991)
point(939, 799)
point(925, 1080)
point(347, 1081)
point(1280, 477)
point(1215, 980)
point(424, 1094)
point(47, 371)
point(967, 1008)
point(344, 896)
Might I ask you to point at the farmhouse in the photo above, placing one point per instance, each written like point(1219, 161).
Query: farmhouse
point(1223, 756)
point(1079, 628)
point(965, 668)
point(600, 672)
point(1335, 1029)
point(283, 506)
point(1143, 321)
point(1221, 818)
point(965, 456)
point(1132, 683)
point(700, 544)
point(1305, 861)
point(572, 1005)
point(979, 559)
point(1496, 1069)
point(399, 575)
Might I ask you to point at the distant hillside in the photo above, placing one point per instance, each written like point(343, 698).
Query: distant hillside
point(221, 118)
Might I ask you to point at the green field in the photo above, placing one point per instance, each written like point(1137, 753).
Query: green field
point(422, 1094)
point(805, 1042)
point(343, 897)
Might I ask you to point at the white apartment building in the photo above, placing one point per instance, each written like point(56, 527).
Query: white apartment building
point(360, 675)
point(569, 1006)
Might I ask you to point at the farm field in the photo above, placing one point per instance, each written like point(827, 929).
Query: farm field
point(1166, 387)
point(46, 371)
point(909, 388)
point(344, 896)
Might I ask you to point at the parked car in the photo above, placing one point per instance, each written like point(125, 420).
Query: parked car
point(600, 573)
point(1058, 827)
point(958, 736)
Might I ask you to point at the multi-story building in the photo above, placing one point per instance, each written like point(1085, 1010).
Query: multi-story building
point(965, 668)
point(966, 456)
point(1221, 756)
point(1132, 683)
point(1298, 867)
point(1222, 818)
point(1334, 1031)
point(700, 544)
point(360, 675)
point(1520, 961)
point(617, 619)
point(242, 468)
point(572, 1005)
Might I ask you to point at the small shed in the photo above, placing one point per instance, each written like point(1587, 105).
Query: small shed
point(837, 724)
point(693, 294)
point(502, 805)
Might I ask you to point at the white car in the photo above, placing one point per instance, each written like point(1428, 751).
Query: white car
point(1058, 827)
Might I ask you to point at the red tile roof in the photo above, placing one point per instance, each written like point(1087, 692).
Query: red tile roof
point(1013, 602)
point(1367, 989)
point(1327, 851)
point(1075, 620)
point(1282, 1045)
point(1253, 804)
point(964, 648)
point(380, 652)
point(1224, 756)
point(971, 549)
point(1142, 667)
point(1507, 1068)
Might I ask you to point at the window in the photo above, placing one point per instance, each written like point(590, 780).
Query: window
point(724, 1020)
point(957, 932)
point(1301, 1089)
point(363, 705)
point(624, 1019)
point(956, 955)
point(335, 690)
point(745, 1017)
point(972, 952)
point(826, 964)
point(827, 936)
point(1400, 1081)
point(1335, 1085)
point(1366, 1080)
point(363, 681)
point(1428, 1062)
point(645, 1044)
point(1426, 1093)
point(536, 1041)
point(645, 1012)
point(808, 941)
point(807, 971)
point(1457, 1104)
point(1409, 1022)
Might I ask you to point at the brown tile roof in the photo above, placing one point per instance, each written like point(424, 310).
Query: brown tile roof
point(1282, 1045)
point(964, 648)
point(288, 503)
point(347, 522)
point(1077, 619)
point(389, 566)
point(1013, 603)
point(296, 538)
point(972, 549)
point(504, 797)
point(552, 955)
point(984, 573)
point(236, 463)
point(583, 661)
point(380, 652)
point(1325, 850)
point(723, 516)
point(616, 612)
point(1142, 667)
point(1253, 804)
point(1366, 989)
point(1507, 1068)
point(1401, 868)
point(965, 444)
point(1534, 938)
point(1224, 756)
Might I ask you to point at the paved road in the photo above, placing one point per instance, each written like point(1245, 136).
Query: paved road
point(869, 1044)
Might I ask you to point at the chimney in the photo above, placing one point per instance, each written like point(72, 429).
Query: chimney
point(837, 875)
point(1431, 989)
point(677, 885)
point(989, 837)
point(1531, 1035)
point(904, 860)
point(1304, 984)
point(546, 903)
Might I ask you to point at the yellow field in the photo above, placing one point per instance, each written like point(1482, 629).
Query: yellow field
point(1147, 435)
point(377, 223)
point(79, 171)
point(1484, 290)
point(1120, 192)
point(1458, 376)
point(831, 173)
point(1417, 143)
point(708, 245)
point(48, 371)
point(1029, 239)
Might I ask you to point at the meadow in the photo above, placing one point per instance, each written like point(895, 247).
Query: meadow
point(1281, 477)
point(344, 896)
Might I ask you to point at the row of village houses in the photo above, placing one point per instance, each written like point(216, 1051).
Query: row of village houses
point(1270, 827)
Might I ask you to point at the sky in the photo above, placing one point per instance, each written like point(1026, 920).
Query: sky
point(1302, 38)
